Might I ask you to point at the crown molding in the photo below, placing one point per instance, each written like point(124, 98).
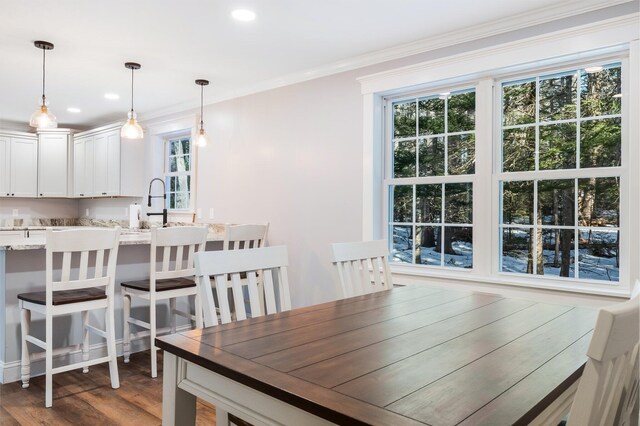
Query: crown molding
point(547, 14)
point(609, 35)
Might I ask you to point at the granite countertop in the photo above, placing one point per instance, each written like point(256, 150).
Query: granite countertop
point(127, 236)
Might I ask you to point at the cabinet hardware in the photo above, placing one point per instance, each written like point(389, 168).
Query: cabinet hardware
point(104, 193)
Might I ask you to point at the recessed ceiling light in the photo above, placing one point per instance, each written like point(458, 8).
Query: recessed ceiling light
point(111, 96)
point(243, 15)
point(73, 109)
point(591, 70)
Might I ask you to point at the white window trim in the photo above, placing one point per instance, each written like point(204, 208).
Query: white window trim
point(575, 44)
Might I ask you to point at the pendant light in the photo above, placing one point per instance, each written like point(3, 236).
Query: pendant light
point(131, 129)
point(43, 118)
point(201, 140)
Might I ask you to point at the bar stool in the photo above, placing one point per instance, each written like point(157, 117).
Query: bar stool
point(175, 278)
point(78, 293)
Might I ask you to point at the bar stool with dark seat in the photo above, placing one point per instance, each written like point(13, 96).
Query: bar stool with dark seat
point(76, 291)
point(174, 278)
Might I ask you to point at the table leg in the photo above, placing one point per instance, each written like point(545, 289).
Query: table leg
point(178, 406)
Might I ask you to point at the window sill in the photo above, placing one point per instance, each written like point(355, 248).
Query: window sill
point(501, 281)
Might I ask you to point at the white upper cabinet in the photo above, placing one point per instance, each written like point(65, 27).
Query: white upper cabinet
point(19, 166)
point(106, 166)
point(5, 166)
point(53, 164)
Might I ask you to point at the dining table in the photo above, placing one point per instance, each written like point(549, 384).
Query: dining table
point(411, 355)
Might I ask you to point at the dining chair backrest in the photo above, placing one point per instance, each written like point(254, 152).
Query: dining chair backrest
point(363, 267)
point(178, 246)
point(608, 390)
point(81, 244)
point(244, 236)
point(227, 265)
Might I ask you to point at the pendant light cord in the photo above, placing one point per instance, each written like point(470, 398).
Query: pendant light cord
point(132, 89)
point(201, 105)
point(43, 74)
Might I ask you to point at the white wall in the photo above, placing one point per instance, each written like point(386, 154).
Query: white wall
point(292, 156)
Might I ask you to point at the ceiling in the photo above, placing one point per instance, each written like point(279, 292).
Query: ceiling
point(179, 41)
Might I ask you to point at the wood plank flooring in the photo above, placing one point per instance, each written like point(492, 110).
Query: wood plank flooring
point(88, 399)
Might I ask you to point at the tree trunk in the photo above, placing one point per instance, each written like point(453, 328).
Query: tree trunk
point(539, 245)
point(556, 258)
point(418, 239)
point(566, 244)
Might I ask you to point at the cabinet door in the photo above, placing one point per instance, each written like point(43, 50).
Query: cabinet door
point(113, 163)
point(79, 167)
point(5, 167)
point(100, 164)
point(89, 165)
point(52, 165)
point(24, 167)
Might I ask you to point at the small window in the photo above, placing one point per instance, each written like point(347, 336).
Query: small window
point(178, 173)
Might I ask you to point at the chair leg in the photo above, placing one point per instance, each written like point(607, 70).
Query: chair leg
point(85, 339)
point(25, 370)
point(172, 315)
point(152, 330)
point(48, 400)
point(111, 344)
point(198, 307)
point(126, 333)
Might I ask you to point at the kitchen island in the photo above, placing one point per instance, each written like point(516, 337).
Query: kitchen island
point(22, 269)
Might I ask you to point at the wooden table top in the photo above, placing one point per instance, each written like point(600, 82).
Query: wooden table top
point(411, 355)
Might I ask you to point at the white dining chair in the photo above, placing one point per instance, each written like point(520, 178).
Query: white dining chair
point(362, 267)
point(244, 236)
point(227, 266)
point(174, 278)
point(608, 390)
point(243, 269)
point(78, 290)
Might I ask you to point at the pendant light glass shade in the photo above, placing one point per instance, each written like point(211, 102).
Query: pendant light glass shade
point(202, 139)
point(131, 129)
point(43, 118)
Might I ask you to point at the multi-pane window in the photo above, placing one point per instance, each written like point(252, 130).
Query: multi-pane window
point(560, 174)
point(178, 173)
point(430, 183)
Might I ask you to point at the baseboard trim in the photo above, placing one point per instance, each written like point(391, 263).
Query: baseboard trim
point(10, 371)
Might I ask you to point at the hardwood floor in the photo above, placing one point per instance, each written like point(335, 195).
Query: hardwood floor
point(88, 399)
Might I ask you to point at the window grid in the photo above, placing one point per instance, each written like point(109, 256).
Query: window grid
point(535, 175)
point(419, 179)
point(177, 199)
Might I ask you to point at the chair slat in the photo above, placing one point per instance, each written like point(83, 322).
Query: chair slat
point(254, 298)
point(192, 250)
point(223, 302)
point(285, 296)
point(99, 269)
point(179, 259)
point(208, 304)
point(84, 264)
point(269, 292)
point(238, 296)
point(166, 258)
point(66, 266)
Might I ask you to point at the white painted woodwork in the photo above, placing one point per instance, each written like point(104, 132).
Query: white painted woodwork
point(5, 166)
point(100, 164)
point(53, 160)
point(362, 267)
point(80, 187)
point(78, 244)
point(24, 167)
point(244, 236)
point(109, 166)
point(271, 263)
point(608, 390)
point(178, 247)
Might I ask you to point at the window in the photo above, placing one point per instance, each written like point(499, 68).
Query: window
point(430, 183)
point(560, 174)
point(178, 170)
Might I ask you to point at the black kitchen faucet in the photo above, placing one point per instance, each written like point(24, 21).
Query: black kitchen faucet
point(163, 196)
